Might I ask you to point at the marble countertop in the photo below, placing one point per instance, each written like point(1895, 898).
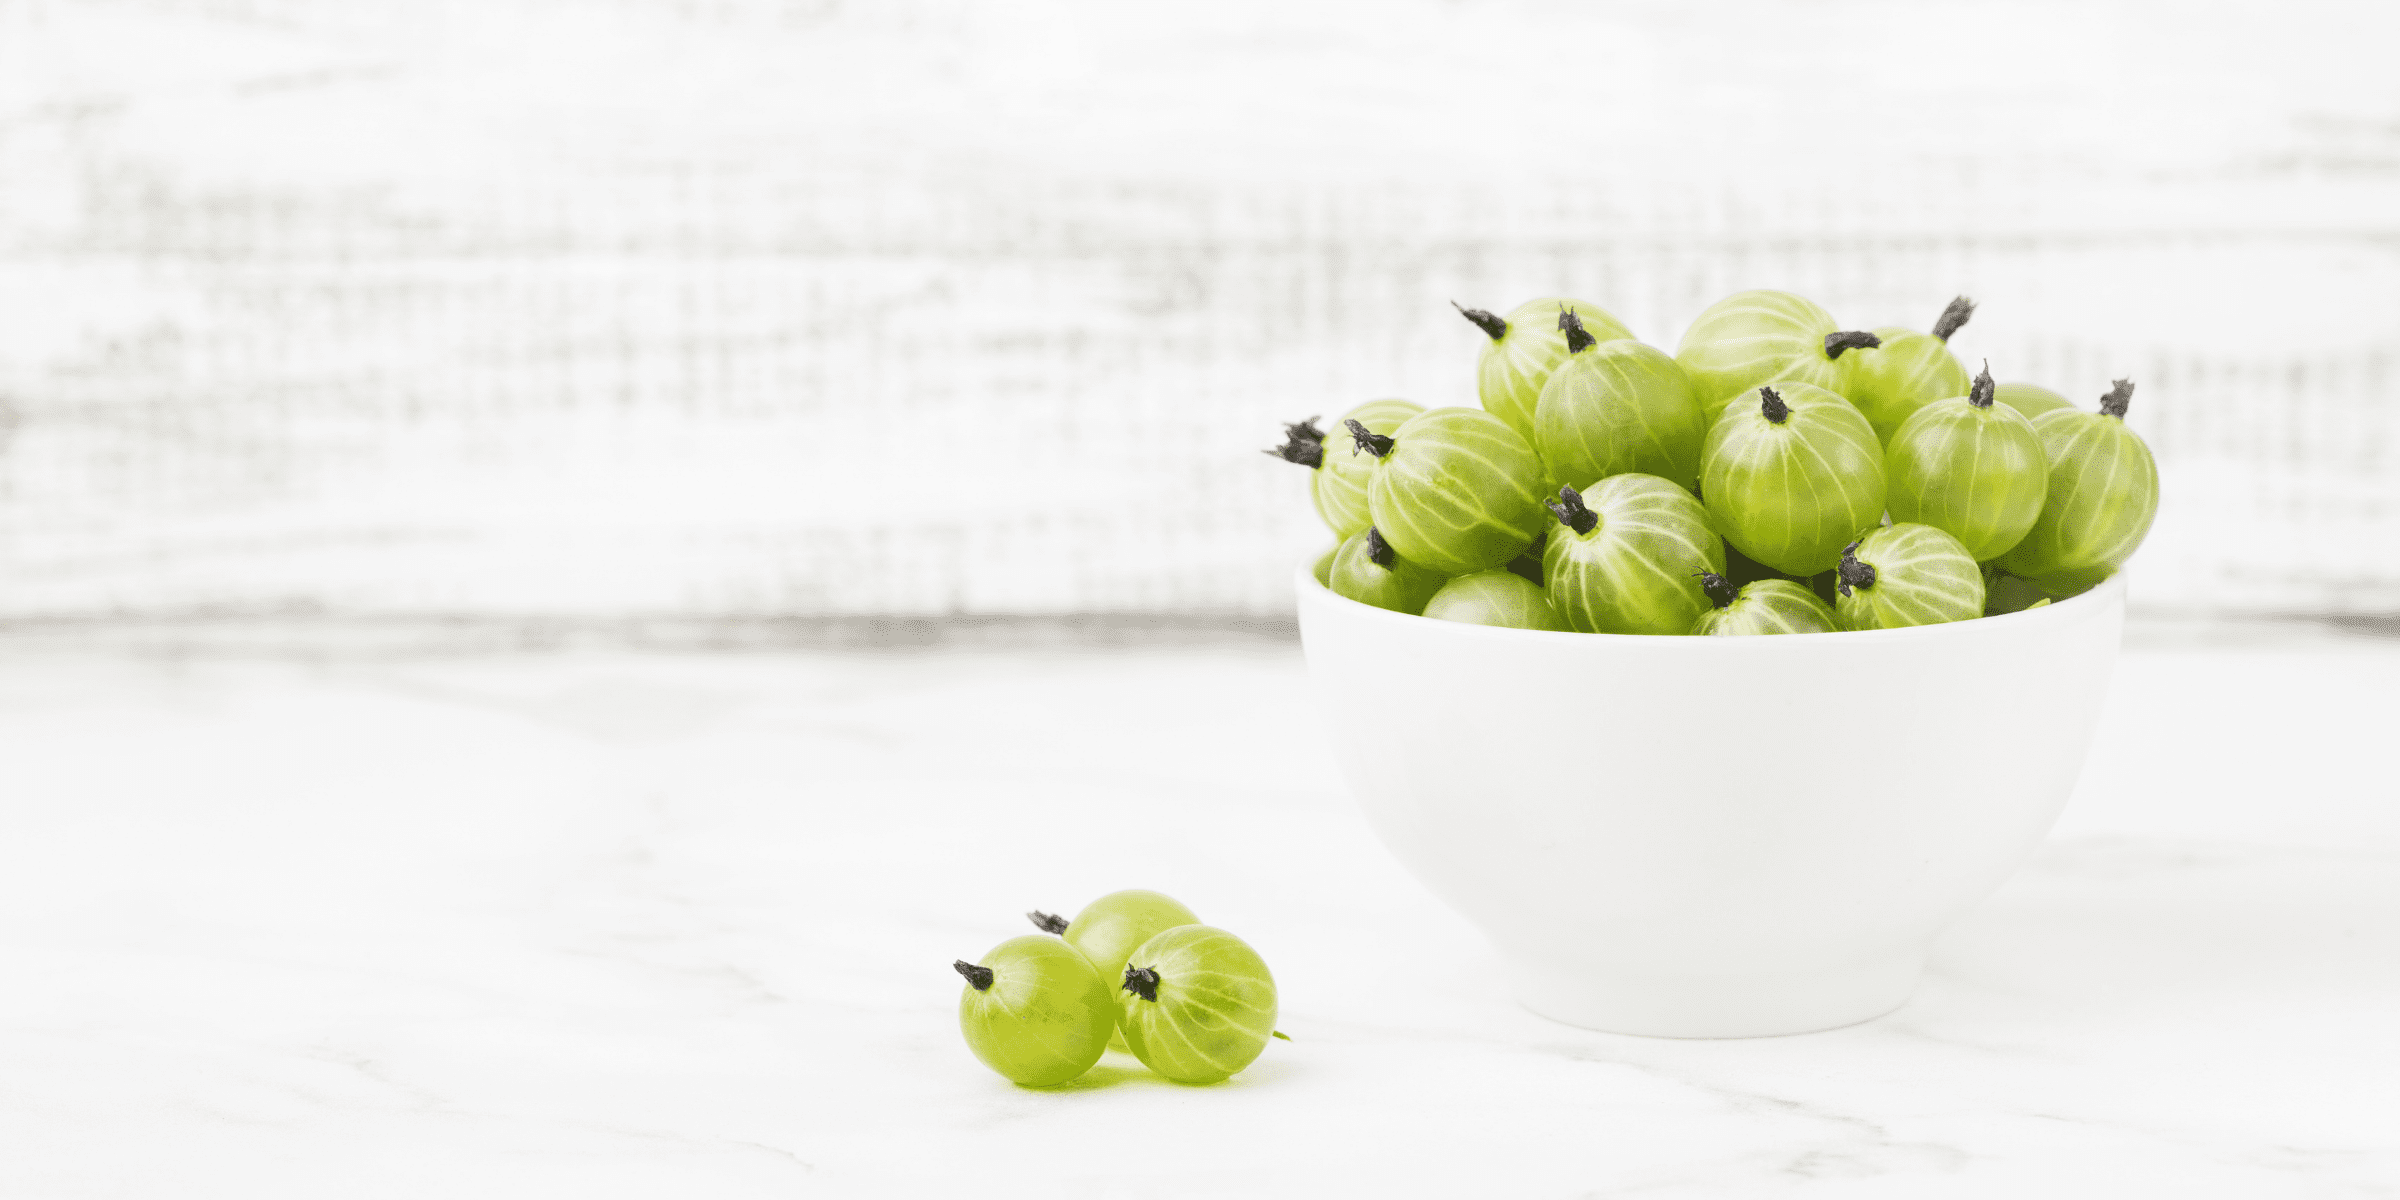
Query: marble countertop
point(602, 925)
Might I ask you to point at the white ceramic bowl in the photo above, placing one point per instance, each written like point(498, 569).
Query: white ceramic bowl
point(1712, 836)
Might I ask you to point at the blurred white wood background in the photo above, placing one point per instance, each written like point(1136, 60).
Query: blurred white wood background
point(720, 308)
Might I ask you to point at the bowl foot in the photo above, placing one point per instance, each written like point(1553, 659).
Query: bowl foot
point(1696, 1006)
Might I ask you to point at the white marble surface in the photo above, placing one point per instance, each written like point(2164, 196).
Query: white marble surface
point(613, 925)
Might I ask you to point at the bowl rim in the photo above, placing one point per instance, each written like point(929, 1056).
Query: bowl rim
point(2059, 612)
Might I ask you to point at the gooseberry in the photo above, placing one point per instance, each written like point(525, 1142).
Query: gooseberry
point(1756, 337)
point(2101, 497)
point(1909, 370)
point(1622, 557)
point(1906, 574)
point(2031, 399)
point(1761, 606)
point(1196, 1003)
point(1110, 927)
point(1617, 407)
point(1794, 476)
point(1454, 489)
point(1498, 597)
point(1367, 569)
point(1970, 468)
point(1338, 478)
point(1524, 348)
point(1035, 1011)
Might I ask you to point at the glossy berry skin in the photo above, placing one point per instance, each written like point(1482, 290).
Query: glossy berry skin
point(2101, 496)
point(2031, 399)
point(1043, 1017)
point(1631, 568)
point(1339, 486)
point(1756, 337)
point(1619, 407)
point(1513, 366)
point(1768, 606)
point(1910, 370)
point(1500, 598)
point(1397, 584)
point(1201, 1007)
point(1458, 491)
point(1912, 575)
point(1792, 493)
point(1975, 472)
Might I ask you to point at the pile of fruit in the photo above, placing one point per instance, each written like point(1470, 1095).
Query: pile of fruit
point(1135, 970)
point(1776, 474)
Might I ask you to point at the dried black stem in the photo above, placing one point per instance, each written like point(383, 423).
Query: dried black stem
point(1362, 438)
point(1379, 551)
point(1303, 443)
point(979, 978)
point(1981, 393)
point(1850, 339)
point(1850, 572)
point(1579, 339)
point(1489, 324)
point(2113, 404)
point(1721, 591)
point(1772, 407)
point(1571, 512)
point(1047, 922)
point(1953, 318)
point(1142, 981)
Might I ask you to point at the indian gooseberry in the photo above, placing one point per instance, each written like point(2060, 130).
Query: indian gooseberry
point(1761, 606)
point(1791, 475)
point(1525, 347)
point(1970, 468)
point(1196, 1003)
point(1454, 489)
point(1035, 1011)
point(1366, 569)
point(1622, 556)
point(2031, 399)
point(1906, 574)
point(1338, 476)
point(1756, 337)
point(1909, 370)
point(2101, 497)
point(1498, 597)
point(1615, 407)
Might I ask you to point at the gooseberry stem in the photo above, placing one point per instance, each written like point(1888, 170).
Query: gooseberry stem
point(1953, 317)
point(1047, 922)
point(979, 978)
point(1579, 339)
point(1142, 981)
point(1379, 551)
point(1852, 573)
point(2119, 395)
point(1981, 392)
point(1303, 443)
point(1570, 511)
point(1362, 438)
point(1721, 591)
point(1492, 326)
point(1772, 407)
point(1850, 339)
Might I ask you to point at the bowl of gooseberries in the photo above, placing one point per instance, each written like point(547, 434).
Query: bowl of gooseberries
point(1713, 684)
point(1135, 971)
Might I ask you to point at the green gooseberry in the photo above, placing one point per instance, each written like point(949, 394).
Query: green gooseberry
point(1524, 348)
point(1907, 574)
point(1756, 337)
point(1622, 557)
point(1197, 1004)
point(1793, 477)
point(1618, 407)
point(1367, 569)
point(1908, 371)
point(1970, 468)
point(1761, 606)
point(1498, 597)
point(2031, 399)
point(1338, 481)
point(1035, 1011)
point(2005, 593)
point(1323, 567)
point(2100, 500)
point(1454, 489)
point(1109, 928)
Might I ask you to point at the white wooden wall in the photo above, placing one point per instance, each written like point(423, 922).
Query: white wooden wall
point(722, 308)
